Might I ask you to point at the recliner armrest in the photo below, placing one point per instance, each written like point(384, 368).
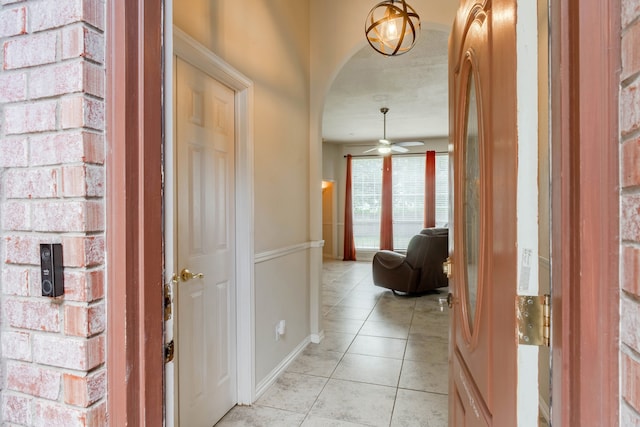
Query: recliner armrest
point(389, 259)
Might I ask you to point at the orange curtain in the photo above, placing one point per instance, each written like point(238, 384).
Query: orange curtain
point(430, 190)
point(386, 217)
point(349, 243)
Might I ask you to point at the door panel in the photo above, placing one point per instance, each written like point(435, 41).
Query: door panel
point(223, 338)
point(458, 406)
point(195, 343)
point(471, 411)
point(482, 93)
point(205, 187)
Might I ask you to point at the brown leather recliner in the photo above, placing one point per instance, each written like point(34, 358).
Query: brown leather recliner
point(418, 271)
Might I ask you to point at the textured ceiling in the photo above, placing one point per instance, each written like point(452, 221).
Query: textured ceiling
point(413, 86)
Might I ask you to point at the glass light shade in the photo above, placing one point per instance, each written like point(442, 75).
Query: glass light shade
point(384, 150)
point(392, 27)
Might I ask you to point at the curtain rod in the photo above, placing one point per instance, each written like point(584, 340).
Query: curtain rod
point(393, 155)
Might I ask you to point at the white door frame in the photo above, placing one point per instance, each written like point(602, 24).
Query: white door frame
point(178, 43)
point(527, 199)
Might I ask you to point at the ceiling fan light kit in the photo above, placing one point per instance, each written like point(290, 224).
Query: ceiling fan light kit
point(392, 27)
point(386, 146)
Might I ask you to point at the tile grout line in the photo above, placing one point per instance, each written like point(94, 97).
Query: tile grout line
point(389, 309)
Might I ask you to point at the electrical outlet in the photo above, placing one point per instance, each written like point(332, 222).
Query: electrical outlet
point(281, 329)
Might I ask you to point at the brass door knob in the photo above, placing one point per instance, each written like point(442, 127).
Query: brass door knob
point(186, 275)
point(448, 301)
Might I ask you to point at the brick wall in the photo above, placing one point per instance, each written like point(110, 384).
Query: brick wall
point(630, 213)
point(52, 120)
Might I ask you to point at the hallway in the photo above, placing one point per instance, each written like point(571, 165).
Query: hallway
point(383, 361)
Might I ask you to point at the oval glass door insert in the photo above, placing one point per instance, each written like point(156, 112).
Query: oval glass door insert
point(471, 208)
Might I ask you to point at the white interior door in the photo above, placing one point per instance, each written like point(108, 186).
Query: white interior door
point(206, 327)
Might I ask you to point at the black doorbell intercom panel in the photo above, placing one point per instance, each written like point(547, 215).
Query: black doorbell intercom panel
point(51, 271)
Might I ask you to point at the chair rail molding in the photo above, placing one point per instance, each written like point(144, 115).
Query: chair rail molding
point(287, 250)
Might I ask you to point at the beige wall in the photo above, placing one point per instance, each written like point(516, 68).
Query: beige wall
point(268, 41)
point(331, 156)
point(282, 294)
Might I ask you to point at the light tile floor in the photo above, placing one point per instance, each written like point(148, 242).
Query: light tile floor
point(383, 361)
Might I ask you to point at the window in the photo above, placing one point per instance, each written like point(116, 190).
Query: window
point(442, 190)
point(408, 198)
point(366, 181)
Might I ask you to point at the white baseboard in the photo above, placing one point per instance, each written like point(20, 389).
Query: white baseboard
point(278, 370)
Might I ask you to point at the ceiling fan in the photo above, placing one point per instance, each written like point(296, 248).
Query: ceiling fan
point(385, 146)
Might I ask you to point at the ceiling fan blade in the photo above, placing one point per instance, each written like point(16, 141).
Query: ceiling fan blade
point(371, 150)
point(399, 149)
point(410, 143)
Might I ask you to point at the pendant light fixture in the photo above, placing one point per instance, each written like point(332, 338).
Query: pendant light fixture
point(392, 27)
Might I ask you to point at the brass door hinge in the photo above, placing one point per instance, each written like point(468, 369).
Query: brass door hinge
point(447, 268)
point(534, 319)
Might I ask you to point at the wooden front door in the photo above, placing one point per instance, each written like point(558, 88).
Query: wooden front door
point(482, 99)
